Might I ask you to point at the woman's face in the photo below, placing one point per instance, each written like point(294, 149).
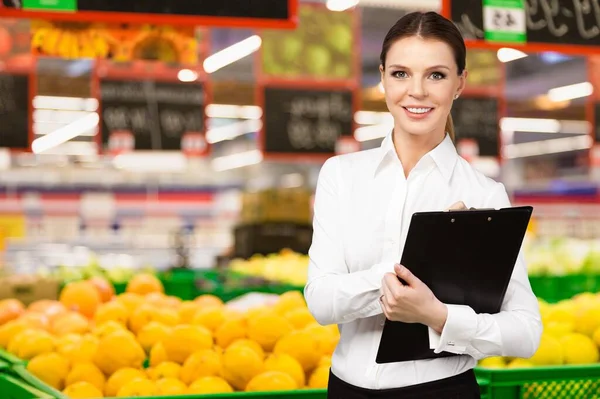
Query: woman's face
point(420, 81)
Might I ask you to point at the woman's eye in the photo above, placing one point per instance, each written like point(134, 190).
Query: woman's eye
point(437, 76)
point(399, 74)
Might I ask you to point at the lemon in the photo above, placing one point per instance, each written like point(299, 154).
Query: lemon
point(271, 381)
point(209, 385)
point(579, 349)
point(86, 372)
point(83, 390)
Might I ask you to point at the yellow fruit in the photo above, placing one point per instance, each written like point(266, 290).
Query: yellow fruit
point(147, 313)
point(137, 387)
point(301, 346)
point(588, 321)
point(30, 343)
point(300, 317)
point(158, 355)
point(77, 348)
point(51, 368)
point(164, 370)
point(186, 311)
point(118, 350)
point(86, 372)
point(170, 386)
point(579, 349)
point(286, 364)
point(229, 331)
point(204, 363)
point(289, 301)
point(259, 311)
point(550, 352)
point(559, 329)
point(10, 309)
point(240, 365)
point(561, 314)
point(268, 329)
point(211, 318)
point(207, 385)
point(108, 328)
point(183, 340)
point(143, 284)
point(9, 330)
point(47, 307)
point(121, 378)
point(112, 311)
point(326, 340)
point(83, 390)
point(519, 363)
point(152, 333)
point(82, 297)
point(493, 362)
point(131, 301)
point(208, 301)
point(70, 323)
point(271, 381)
point(319, 378)
point(104, 287)
point(250, 344)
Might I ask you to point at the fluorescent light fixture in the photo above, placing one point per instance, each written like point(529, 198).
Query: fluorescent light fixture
point(292, 180)
point(230, 111)
point(151, 161)
point(570, 92)
point(187, 75)
point(506, 54)
point(372, 132)
point(232, 54)
point(372, 118)
point(530, 125)
point(544, 147)
point(341, 5)
point(238, 160)
point(233, 130)
point(65, 133)
point(65, 103)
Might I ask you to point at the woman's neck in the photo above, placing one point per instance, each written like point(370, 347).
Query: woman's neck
point(410, 148)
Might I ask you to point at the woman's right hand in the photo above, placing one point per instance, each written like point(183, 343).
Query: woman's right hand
point(458, 206)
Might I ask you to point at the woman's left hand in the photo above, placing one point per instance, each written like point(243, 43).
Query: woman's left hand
point(411, 303)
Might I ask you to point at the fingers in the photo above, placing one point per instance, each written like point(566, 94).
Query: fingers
point(458, 206)
point(406, 275)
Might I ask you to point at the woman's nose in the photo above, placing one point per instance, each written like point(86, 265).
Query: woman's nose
point(417, 88)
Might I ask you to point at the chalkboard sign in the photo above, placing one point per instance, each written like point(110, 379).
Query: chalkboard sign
point(157, 113)
point(547, 21)
point(305, 121)
point(204, 12)
point(597, 123)
point(272, 237)
point(477, 118)
point(14, 111)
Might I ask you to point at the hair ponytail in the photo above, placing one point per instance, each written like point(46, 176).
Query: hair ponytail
point(450, 127)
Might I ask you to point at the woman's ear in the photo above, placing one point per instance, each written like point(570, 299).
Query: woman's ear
point(382, 73)
point(462, 82)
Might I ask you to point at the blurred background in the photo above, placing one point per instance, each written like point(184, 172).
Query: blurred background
point(172, 142)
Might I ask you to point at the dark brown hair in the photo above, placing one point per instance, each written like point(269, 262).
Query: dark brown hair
point(428, 25)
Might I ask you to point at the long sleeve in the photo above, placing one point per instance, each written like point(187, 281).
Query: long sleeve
point(333, 294)
point(515, 331)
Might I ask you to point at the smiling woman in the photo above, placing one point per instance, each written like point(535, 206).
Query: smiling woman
point(363, 206)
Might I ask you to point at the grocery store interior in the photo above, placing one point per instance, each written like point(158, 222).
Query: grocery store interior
point(158, 164)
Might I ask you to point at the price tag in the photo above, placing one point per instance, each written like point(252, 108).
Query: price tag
point(50, 5)
point(504, 21)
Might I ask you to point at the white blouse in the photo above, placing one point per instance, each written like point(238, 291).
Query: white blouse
point(363, 207)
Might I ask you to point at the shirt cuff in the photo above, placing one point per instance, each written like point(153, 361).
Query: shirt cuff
point(460, 328)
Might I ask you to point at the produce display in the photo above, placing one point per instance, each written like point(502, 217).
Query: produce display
point(571, 335)
point(562, 256)
point(93, 343)
point(286, 267)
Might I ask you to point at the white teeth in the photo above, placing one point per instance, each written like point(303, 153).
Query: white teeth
point(419, 110)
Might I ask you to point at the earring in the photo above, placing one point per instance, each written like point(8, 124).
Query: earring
point(455, 96)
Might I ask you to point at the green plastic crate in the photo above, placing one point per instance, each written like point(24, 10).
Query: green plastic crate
point(12, 387)
point(299, 394)
point(558, 382)
point(10, 359)
point(553, 289)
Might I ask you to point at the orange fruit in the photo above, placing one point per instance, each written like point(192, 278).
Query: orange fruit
point(118, 350)
point(271, 381)
point(82, 390)
point(81, 296)
point(104, 288)
point(144, 283)
point(207, 301)
point(183, 340)
point(51, 368)
point(10, 309)
point(121, 378)
point(240, 365)
point(71, 322)
point(204, 363)
point(208, 385)
point(170, 387)
point(48, 307)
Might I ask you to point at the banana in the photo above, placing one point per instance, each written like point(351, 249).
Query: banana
point(86, 46)
point(65, 45)
point(50, 43)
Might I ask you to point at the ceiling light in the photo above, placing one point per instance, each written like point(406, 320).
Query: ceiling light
point(66, 133)
point(187, 75)
point(238, 160)
point(506, 54)
point(341, 5)
point(570, 92)
point(232, 54)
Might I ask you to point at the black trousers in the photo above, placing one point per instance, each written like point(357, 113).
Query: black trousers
point(462, 386)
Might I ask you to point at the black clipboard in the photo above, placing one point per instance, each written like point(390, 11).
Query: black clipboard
point(465, 257)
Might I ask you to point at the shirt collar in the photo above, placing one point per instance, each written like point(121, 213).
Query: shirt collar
point(444, 155)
